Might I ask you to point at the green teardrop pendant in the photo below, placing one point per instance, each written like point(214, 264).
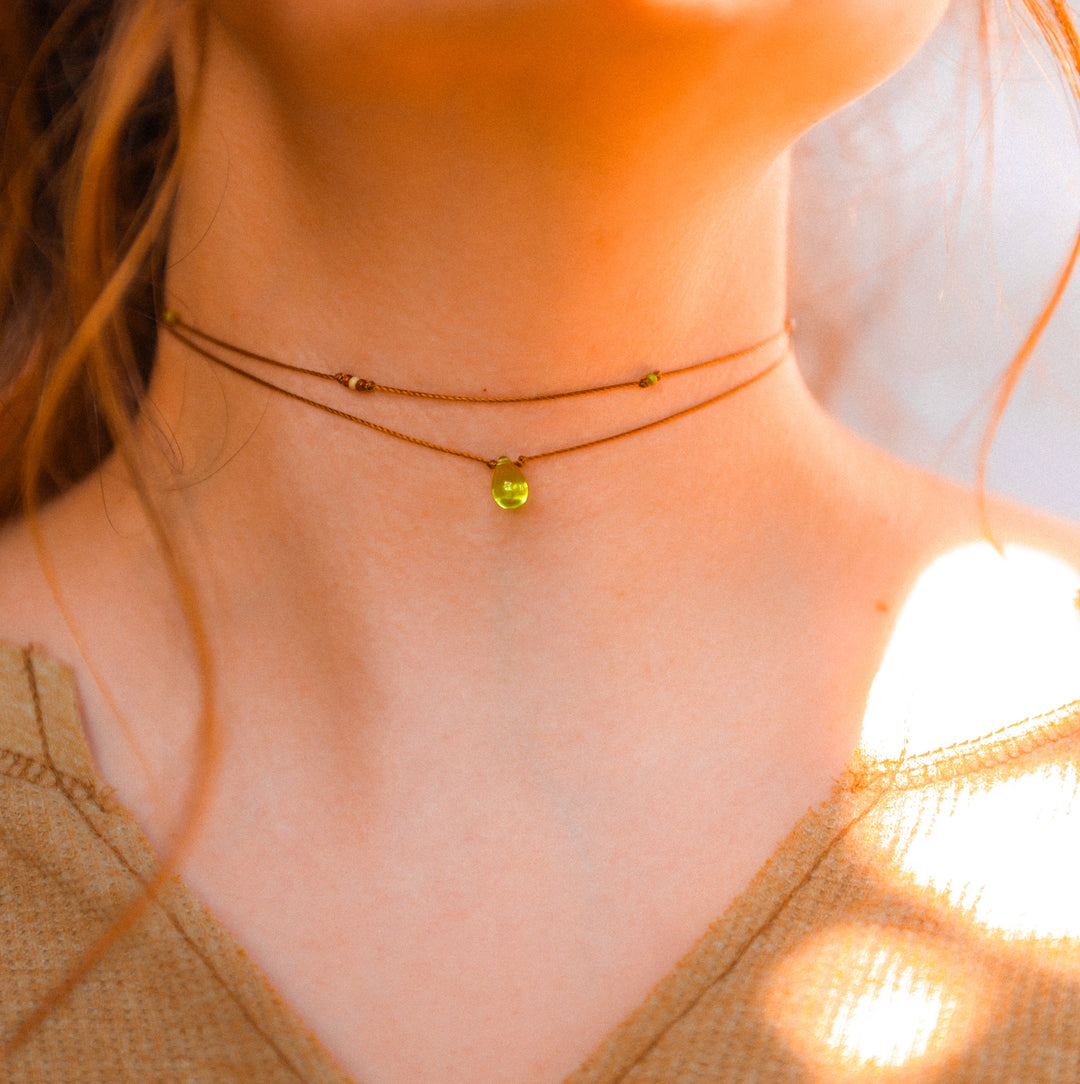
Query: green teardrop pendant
point(508, 485)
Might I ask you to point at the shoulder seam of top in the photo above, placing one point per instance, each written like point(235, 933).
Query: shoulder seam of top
point(46, 774)
point(27, 769)
point(972, 754)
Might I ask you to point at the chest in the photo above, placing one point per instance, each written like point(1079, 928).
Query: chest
point(496, 933)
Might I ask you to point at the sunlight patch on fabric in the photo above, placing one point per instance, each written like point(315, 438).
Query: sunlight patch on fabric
point(865, 1003)
point(1002, 855)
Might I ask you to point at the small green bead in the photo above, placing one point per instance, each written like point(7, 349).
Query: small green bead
point(508, 485)
point(649, 380)
point(169, 316)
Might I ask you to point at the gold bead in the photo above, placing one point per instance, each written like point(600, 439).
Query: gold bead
point(508, 485)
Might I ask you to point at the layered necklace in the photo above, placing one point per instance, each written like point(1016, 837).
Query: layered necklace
point(509, 488)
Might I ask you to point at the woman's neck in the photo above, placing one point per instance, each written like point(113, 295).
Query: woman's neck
point(476, 237)
point(475, 234)
point(612, 209)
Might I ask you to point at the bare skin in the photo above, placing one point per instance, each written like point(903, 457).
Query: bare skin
point(485, 777)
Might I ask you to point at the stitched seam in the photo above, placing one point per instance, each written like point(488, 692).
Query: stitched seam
point(128, 868)
point(1062, 715)
point(1007, 743)
point(999, 747)
point(749, 942)
point(28, 769)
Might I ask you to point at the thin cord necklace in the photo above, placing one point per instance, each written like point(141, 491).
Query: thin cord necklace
point(509, 488)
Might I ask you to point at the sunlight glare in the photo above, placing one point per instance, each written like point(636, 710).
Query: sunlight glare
point(863, 1003)
point(888, 1025)
point(983, 641)
point(1004, 855)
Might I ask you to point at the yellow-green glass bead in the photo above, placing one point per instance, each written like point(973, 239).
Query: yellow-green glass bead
point(649, 380)
point(508, 485)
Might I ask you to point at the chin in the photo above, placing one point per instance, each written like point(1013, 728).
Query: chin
point(796, 60)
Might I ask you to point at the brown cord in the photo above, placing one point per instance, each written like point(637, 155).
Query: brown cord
point(173, 324)
point(357, 383)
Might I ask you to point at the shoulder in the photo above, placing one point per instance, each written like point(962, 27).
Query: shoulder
point(30, 615)
point(1018, 524)
point(989, 633)
point(52, 610)
point(39, 718)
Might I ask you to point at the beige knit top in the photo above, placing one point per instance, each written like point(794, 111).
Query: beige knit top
point(921, 925)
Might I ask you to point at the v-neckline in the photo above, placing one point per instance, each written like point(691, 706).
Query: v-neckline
point(714, 954)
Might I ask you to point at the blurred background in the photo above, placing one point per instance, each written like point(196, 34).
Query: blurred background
point(930, 222)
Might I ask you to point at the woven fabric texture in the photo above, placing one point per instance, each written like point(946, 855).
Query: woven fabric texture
point(921, 925)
